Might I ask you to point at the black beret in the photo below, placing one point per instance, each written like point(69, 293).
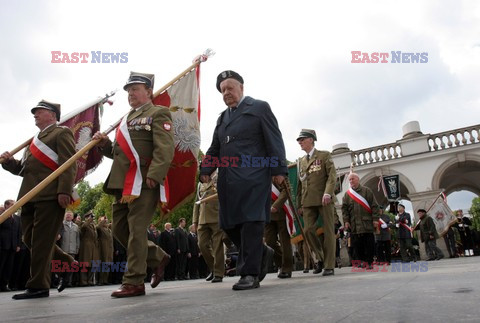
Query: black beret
point(422, 210)
point(400, 204)
point(228, 75)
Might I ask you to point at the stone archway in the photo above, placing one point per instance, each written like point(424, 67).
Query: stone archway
point(459, 173)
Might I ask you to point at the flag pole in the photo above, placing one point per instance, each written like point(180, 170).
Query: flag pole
point(428, 210)
point(64, 119)
point(34, 191)
point(286, 186)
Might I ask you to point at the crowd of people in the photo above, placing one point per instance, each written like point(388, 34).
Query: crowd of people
point(242, 209)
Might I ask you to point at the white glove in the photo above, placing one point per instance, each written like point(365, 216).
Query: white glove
point(397, 217)
point(460, 225)
point(384, 225)
point(397, 225)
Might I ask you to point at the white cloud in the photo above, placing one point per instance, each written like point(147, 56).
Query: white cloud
point(295, 55)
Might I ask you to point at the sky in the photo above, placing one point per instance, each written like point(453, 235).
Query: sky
point(294, 55)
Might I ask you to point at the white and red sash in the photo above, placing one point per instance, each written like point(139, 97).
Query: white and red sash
point(43, 153)
point(359, 199)
point(133, 179)
point(288, 211)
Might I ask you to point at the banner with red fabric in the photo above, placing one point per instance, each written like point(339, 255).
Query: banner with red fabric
point(83, 126)
point(183, 100)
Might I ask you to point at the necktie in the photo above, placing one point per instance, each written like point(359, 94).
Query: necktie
point(308, 158)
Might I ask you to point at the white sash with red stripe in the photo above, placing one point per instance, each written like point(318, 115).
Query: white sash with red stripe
point(44, 153)
point(288, 211)
point(359, 199)
point(133, 179)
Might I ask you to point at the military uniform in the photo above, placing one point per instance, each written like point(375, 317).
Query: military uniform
point(361, 223)
point(277, 228)
point(88, 251)
point(105, 244)
point(151, 132)
point(316, 177)
point(209, 233)
point(42, 216)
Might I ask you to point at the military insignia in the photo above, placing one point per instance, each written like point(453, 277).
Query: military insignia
point(148, 128)
point(224, 75)
point(167, 126)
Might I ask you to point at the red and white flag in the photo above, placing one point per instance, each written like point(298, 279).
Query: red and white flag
point(288, 211)
point(183, 100)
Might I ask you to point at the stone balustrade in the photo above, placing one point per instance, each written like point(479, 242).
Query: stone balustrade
point(377, 154)
point(454, 138)
point(439, 141)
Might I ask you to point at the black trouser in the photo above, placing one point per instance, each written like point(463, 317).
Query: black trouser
point(406, 244)
point(181, 264)
point(6, 266)
point(466, 238)
point(248, 237)
point(384, 251)
point(192, 265)
point(451, 244)
point(364, 246)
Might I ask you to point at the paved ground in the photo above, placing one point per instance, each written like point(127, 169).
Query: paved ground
point(448, 291)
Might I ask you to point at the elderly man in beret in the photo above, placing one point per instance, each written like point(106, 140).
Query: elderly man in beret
point(315, 190)
point(247, 131)
point(142, 153)
point(42, 216)
point(429, 235)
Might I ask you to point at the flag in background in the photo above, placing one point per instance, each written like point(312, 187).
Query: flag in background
point(183, 100)
point(288, 211)
point(442, 215)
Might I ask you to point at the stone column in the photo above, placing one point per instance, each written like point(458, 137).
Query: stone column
point(424, 200)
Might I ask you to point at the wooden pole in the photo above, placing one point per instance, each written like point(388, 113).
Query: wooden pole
point(286, 186)
point(62, 120)
point(50, 178)
point(27, 197)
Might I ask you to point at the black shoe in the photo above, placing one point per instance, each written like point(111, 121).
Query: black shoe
point(440, 257)
point(318, 268)
point(5, 289)
point(305, 271)
point(267, 257)
point(247, 282)
point(284, 275)
point(64, 281)
point(32, 293)
point(210, 277)
point(217, 279)
point(328, 272)
point(430, 259)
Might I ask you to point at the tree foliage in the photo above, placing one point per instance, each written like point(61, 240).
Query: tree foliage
point(475, 212)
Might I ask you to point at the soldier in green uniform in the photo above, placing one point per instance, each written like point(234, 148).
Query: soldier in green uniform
point(316, 184)
point(210, 242)
point(105, 248)
point(88, 252)
point(142, 153)
point(42, 216)
point(277, 228)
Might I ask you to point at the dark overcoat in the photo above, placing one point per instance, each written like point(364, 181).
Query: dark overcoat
point(249, 146)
